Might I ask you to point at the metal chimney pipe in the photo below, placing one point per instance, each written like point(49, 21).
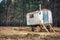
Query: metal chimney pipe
point(40, 7)
point(12, 1)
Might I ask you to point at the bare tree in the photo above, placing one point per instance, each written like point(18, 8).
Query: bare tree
point(10, 9)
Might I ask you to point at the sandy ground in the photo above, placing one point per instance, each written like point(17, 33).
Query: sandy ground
point(15, 33)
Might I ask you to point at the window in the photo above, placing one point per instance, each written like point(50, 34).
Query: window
point(31, 15)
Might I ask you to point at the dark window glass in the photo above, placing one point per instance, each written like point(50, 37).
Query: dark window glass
point(31, 15)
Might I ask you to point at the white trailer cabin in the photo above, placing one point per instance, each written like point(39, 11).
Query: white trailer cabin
point(37, 17)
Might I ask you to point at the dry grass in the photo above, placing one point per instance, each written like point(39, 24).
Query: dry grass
point(14, 33)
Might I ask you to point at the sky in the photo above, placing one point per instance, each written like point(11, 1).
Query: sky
point(0, 0)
